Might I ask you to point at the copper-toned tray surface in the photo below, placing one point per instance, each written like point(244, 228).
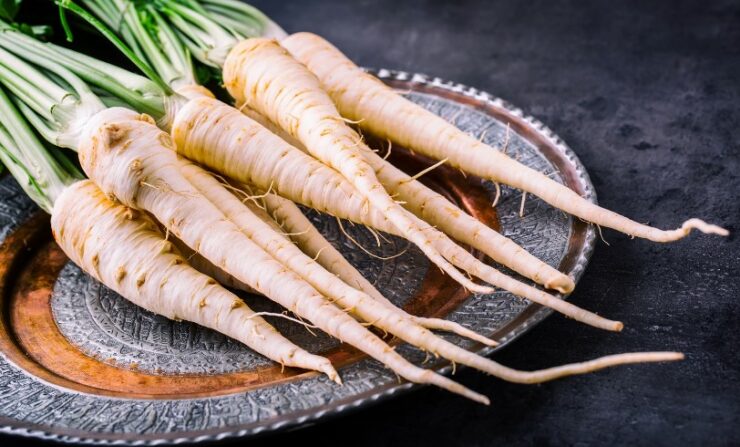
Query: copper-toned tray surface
point(80, 363)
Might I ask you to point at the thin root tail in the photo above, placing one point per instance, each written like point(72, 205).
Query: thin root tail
point(700, 225)
point(332, 374)
point(455, 328)
point(563, 284)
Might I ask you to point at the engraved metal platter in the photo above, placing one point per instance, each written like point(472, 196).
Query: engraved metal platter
point(81, 364)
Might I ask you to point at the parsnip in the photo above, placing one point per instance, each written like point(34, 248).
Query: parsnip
point(259, 72)
point(308, 238)
point(131, 159)
point(241, 149)
point(379, 313)
point(437, 210)
point(378, 109)
point(124, 250)
point(223, 139)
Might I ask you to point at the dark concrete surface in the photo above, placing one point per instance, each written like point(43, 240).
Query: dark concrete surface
point(647, 93)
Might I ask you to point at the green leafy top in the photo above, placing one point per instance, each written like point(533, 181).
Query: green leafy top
point(166, 33)
point(9, 9)
point(42, 173)
point(55, 85)
point(147, 69)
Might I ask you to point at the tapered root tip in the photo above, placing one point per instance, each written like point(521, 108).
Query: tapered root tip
point(455, 328)
point(452, 386)
point(479, 338)
point(332, 374)
point(476, 288)
point(592, 319)
point(700, 225)
point(685, 229)
point(476, 397)
point(638, 357)
point(545, 375)
point(563, 284)
point(489, 342)
point(668, 356)
point(484, 400)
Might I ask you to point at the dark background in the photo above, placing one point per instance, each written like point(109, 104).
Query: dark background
point(647, 94)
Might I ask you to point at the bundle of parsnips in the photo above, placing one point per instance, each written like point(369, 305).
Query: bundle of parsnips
point(167, 234)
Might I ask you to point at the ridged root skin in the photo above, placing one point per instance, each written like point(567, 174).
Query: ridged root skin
point(262, 74)
point(377, 311)
point(313, 244)
point(422, 200)
point(125, 250)
point(471, 264)
point(378, 109)
point(133, 161)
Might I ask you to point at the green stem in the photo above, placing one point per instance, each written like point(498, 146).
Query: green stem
point(172, 48)
point(49, 130)
point(210, 28)
point(209, 40)
point(137, 91)
point(41, 175)
point(108, 13)
point(150, 48)
point(56, 101)
point(36, 90)
point(243, 17)
point(103, 29)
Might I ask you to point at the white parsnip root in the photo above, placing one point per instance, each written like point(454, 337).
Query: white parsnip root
point(378, 310)
point(380, 313)
point(201, 264)
point(437, 210)
point(249, 153)
point(313, 243)
point(125, 250)
point(423, 200)
point(133, 161)
point(262, 74)
point(378, 109)
point(124, 225)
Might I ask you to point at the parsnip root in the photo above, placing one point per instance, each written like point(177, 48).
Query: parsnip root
point(437, 210)
point(127, 253)
point(261, 73)
point(114, 145)
point(379, 110)
point(311, 242)
point(421, 200)
point(251, 154)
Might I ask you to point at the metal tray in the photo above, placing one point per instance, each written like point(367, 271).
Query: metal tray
point(81, 364)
